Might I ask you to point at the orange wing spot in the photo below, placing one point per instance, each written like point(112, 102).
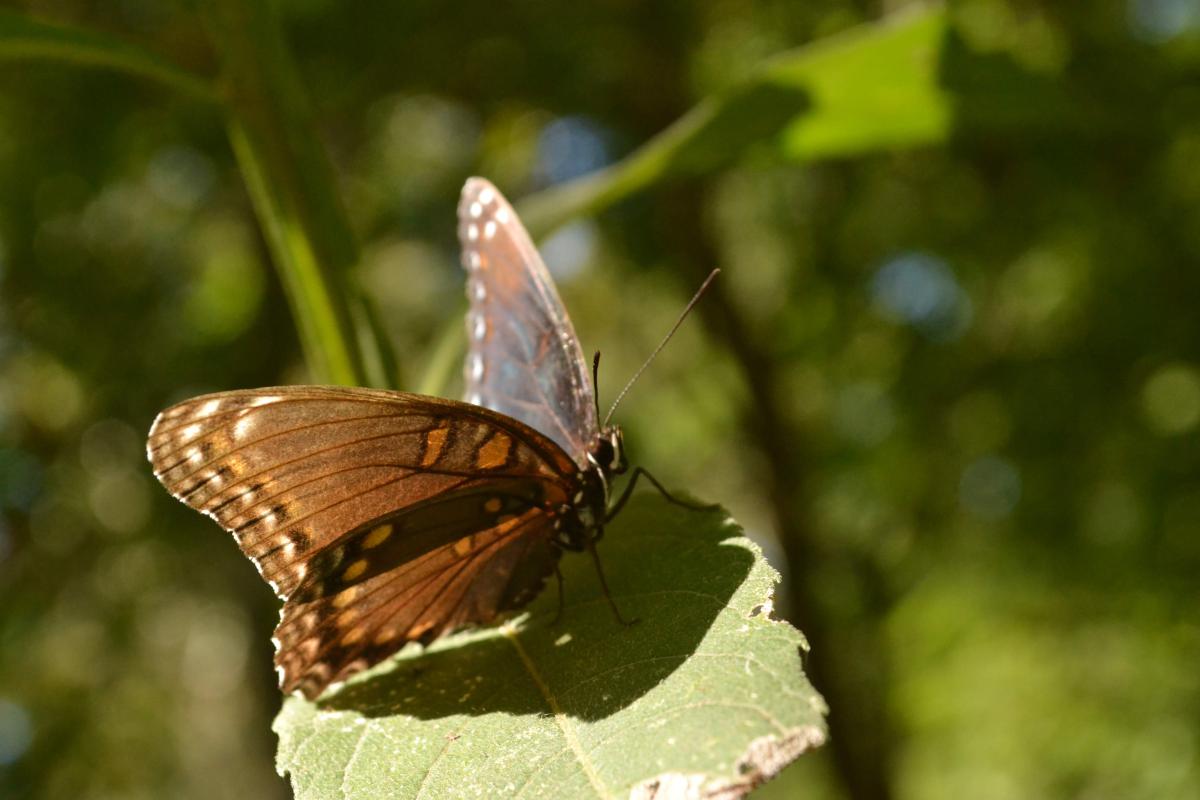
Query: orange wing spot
point(494, 451)
point(353, 635)
point(507, 522)
point(492, 505)
point(435, 443)
point(355, 569)
point(464, 546)
point(345, 597)
point(378, 536)
point(416, 631)
point(386, 635)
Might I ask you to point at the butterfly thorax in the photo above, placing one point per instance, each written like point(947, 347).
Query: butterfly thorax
point(582, 520)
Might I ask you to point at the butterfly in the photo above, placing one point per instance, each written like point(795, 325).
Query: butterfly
point(382, 517)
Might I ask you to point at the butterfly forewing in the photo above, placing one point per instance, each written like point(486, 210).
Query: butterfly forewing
point(381, 497)
point(523, 357)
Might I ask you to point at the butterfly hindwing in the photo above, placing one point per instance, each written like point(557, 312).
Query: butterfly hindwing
point(523, 359)
point(466, 582)
point(387, 544)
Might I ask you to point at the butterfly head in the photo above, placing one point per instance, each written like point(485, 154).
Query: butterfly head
point(608, 453)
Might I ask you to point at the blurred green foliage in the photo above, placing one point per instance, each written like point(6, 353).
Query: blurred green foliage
point(951, 378)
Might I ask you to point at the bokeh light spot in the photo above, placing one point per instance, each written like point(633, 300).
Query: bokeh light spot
point(990, 488)
point(863, 413)
point(108, 444)
point(569, 147)
point(921, 290)
point(1158, 21)
point(1113, 515)
point(48, 394)
point(16, 731)
point(569, 251)
point(1171, 399)
point(228, 292)
point(20, 478)
point(120, 500)
point(180, 176)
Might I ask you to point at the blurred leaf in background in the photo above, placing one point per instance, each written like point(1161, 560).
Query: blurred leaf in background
point(950, 379)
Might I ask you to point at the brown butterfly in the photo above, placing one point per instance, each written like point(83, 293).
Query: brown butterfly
point(385, 517)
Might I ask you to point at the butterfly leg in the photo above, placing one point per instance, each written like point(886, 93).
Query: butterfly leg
point(561, 597)
point(591, 548)
point(639, 472)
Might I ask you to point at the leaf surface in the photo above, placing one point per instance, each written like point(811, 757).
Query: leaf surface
point(706, 692)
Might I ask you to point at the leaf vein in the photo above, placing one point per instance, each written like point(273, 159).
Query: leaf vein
point(559, 717)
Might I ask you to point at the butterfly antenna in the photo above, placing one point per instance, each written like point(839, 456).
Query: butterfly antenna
point(687, 310)
point(596, 384)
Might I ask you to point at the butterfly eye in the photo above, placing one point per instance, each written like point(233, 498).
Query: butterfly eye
point(617, 463)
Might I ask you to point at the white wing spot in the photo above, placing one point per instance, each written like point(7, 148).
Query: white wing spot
point(474, 260)
point(265, 399)
point(487, 195)
point(195, 456)
point(475, 367)
point(475, 399)
point(502, 215)
point(191, 432)
point(478, 291)
point(242, 426)
point(472, 232)
point(476, 210)
point(479, 328)
point(489, 230)
point(209, 408)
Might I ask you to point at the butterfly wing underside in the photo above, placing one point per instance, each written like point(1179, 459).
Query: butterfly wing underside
point(379, 517)
point(523, 357)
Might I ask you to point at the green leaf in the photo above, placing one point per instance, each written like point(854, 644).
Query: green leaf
point(25, 38)
point(706, 692)
point(904, 81)
point(875, 86)
point(294, 190)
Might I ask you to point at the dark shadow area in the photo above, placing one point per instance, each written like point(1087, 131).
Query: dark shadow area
point(994, 98)
point(670, 568)
point(746, 117)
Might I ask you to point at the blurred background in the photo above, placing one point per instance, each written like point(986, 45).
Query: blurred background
point(950, 377)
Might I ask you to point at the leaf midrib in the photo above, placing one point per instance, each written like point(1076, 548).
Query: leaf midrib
point(560, 718)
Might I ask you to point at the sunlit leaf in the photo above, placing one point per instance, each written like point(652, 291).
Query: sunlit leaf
point(707, 691)
point(876, 87)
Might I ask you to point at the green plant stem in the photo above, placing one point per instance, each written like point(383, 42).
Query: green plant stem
point(25, 38)
point(291, 184)
point(798, 103)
